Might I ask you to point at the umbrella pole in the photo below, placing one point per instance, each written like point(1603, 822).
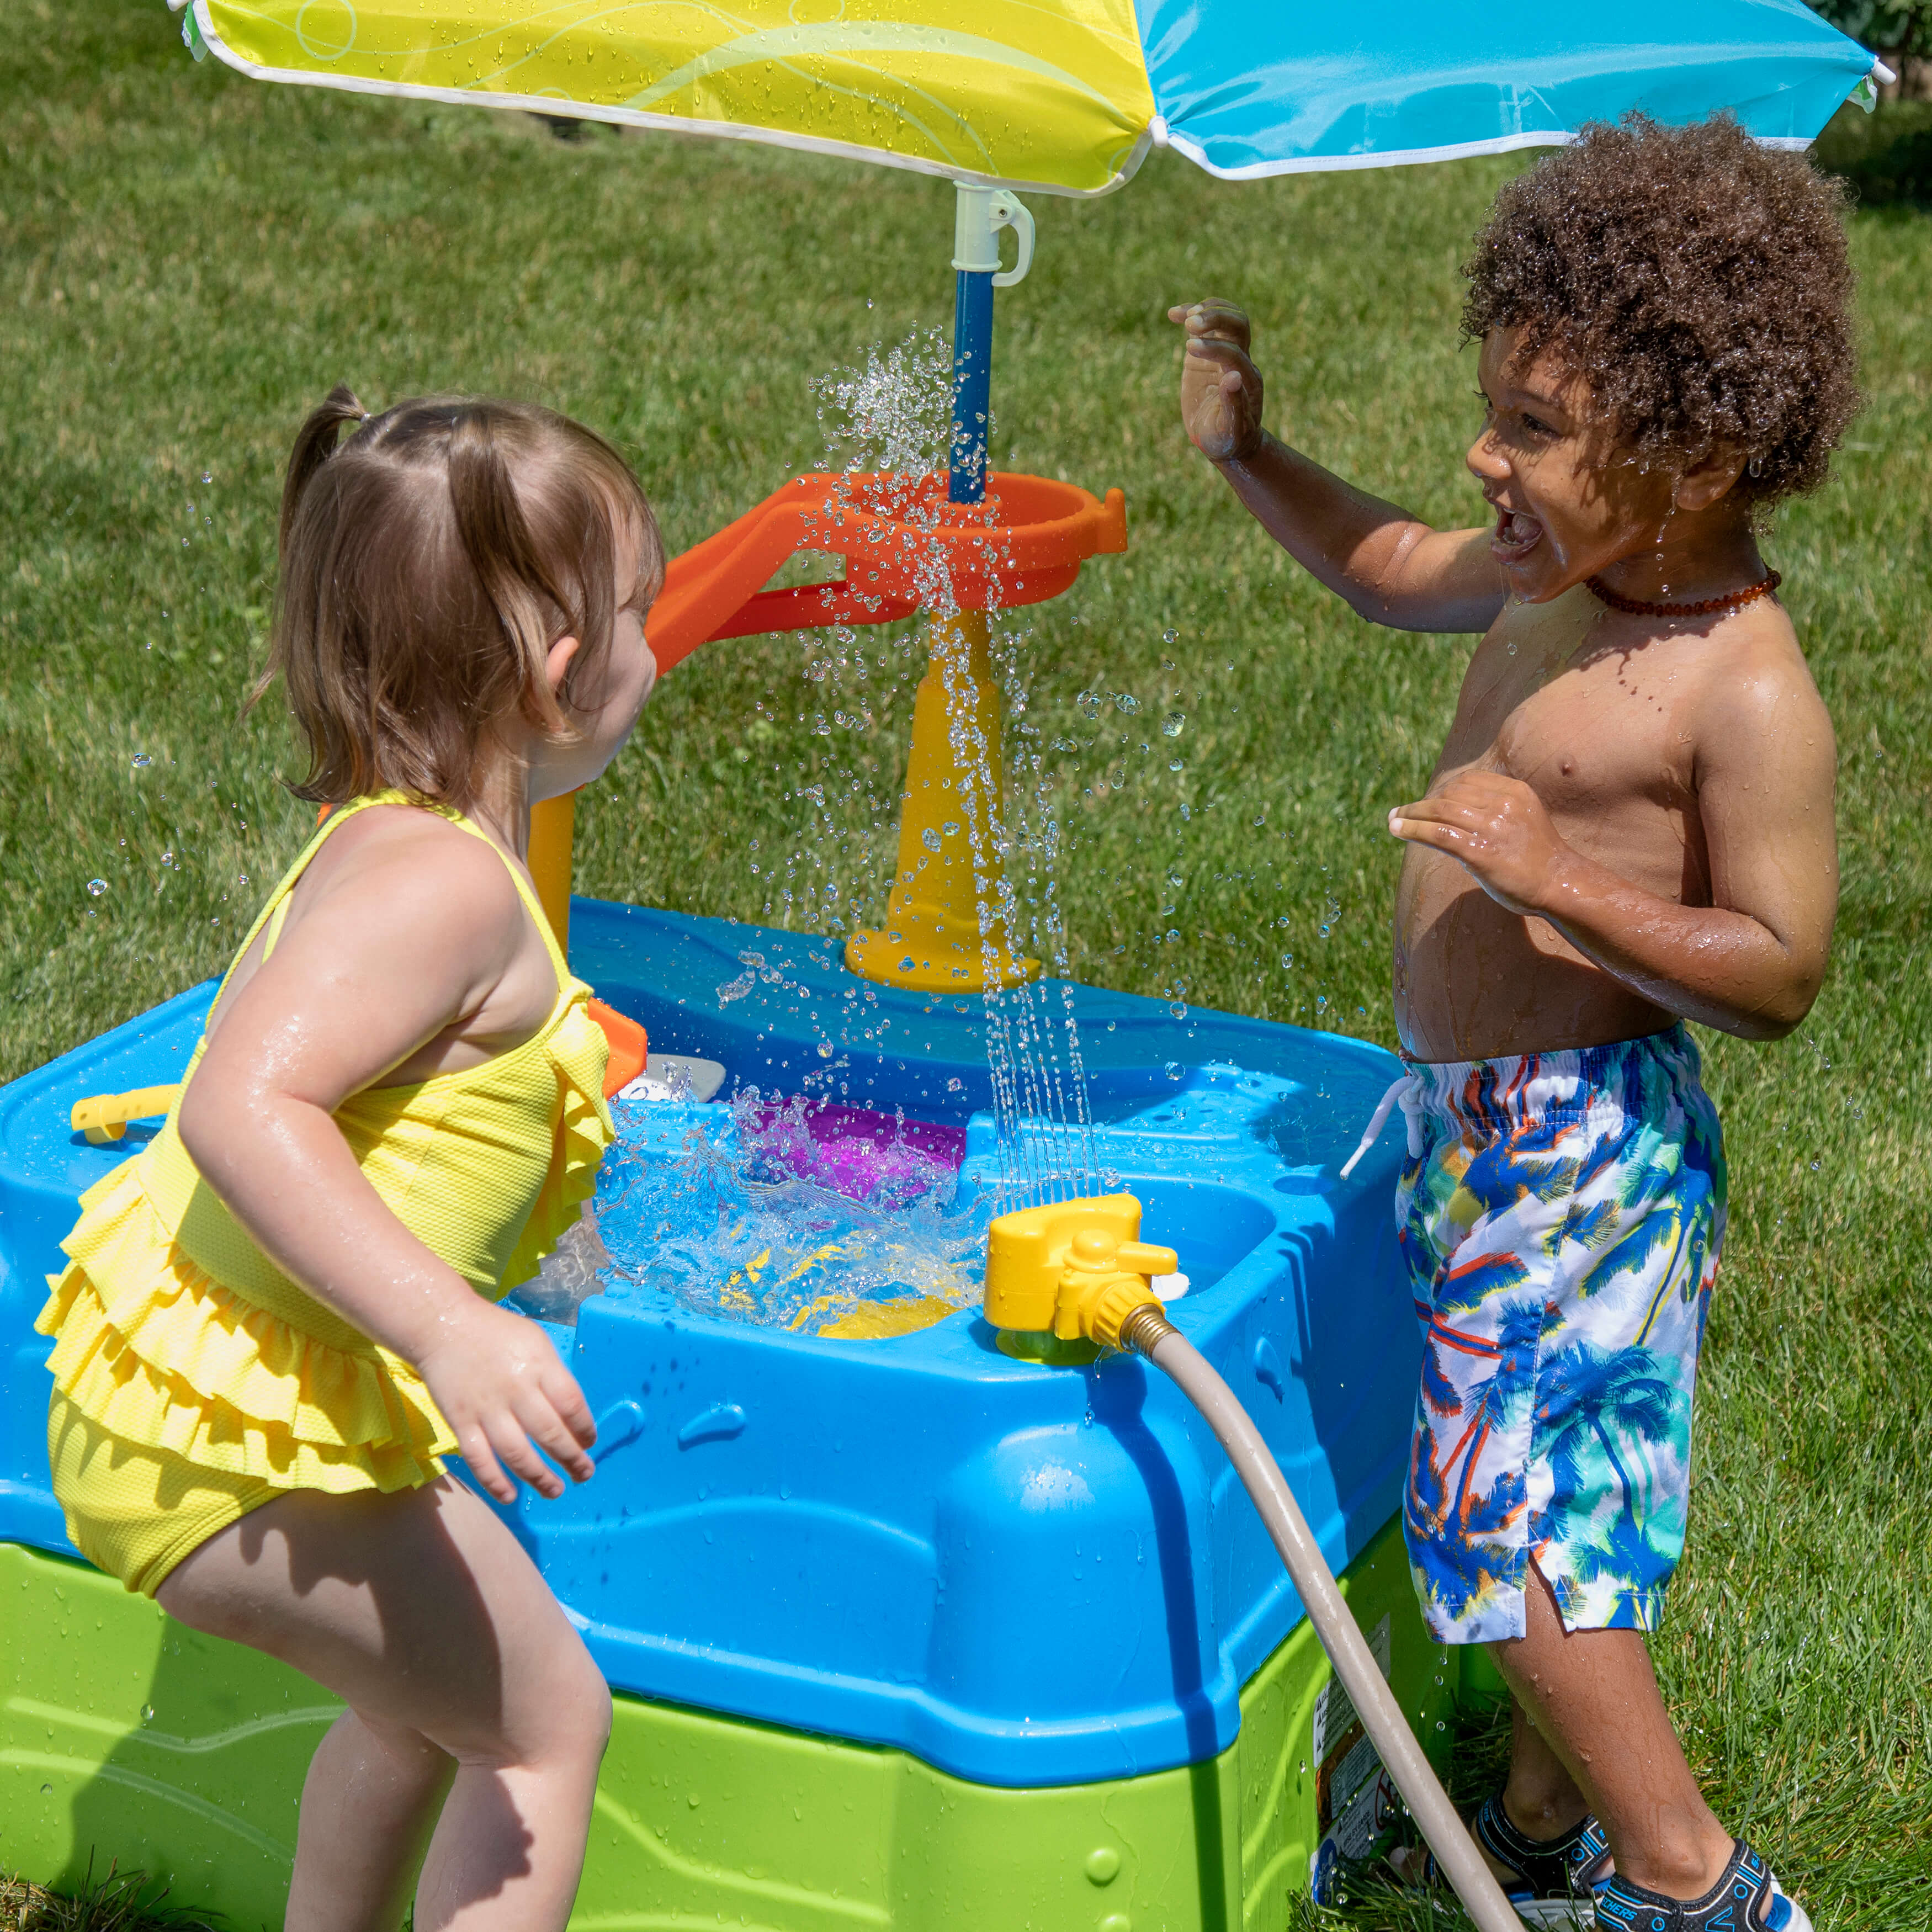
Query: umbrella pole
point(980, 214)
point(972, 384)
point(943, 931)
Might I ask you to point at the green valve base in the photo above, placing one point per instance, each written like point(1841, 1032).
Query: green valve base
point(128, 1739)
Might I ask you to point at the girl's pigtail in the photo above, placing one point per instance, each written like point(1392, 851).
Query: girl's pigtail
point(315, 444)
point(495, 537)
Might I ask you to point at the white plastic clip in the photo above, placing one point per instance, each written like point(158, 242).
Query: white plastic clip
point(980, 214)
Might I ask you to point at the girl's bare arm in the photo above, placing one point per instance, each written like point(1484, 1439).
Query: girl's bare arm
point(395, 951)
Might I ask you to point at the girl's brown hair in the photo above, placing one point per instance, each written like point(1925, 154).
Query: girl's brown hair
point(429, 561)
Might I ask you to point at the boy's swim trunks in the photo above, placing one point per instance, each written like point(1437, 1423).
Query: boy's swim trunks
point(1561, 1215)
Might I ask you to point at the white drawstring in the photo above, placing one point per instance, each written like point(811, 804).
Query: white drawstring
point(1406, 1093)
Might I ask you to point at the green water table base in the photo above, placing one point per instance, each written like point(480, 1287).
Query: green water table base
point(126, 1738)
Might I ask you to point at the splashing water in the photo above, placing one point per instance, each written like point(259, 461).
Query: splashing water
point(788, 1214)
point(802, 1212)
point(892, 418)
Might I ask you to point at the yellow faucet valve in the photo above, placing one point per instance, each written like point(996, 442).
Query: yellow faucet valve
point(1073, 1269)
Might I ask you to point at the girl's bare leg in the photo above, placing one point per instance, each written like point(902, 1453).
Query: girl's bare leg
point(421, 1612)
point(377, 1787)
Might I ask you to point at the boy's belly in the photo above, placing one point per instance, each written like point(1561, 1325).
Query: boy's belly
point(1474, 980)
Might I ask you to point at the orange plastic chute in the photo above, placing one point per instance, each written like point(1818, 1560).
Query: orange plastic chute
point(628, 1046)
point(904, 545)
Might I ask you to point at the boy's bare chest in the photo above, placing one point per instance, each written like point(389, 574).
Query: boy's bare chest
point(1596, 734)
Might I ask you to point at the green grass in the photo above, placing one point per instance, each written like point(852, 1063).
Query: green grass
point(121, 1902)
point(1885, 156)
point(188, 260)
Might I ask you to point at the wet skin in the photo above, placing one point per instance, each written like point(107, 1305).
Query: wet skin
point(1631, 821)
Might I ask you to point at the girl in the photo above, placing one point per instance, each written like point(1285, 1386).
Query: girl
point(279, 1317)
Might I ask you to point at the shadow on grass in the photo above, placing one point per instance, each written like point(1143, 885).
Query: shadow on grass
point(1371, 1898)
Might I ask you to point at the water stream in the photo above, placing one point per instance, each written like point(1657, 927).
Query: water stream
point(797, 1211)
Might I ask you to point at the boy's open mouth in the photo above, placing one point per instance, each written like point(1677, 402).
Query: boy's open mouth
point(1516, 535)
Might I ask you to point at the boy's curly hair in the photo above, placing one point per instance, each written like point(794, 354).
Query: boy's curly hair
point(1698, 281)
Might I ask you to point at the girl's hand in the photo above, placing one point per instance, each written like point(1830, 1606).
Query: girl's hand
point(1499, 828)
point(1220, 388)
point(498, 1381)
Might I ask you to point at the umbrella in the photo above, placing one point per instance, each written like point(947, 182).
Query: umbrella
point(1067, 96)
point(1063, 96)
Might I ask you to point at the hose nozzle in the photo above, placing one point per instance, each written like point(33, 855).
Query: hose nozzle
point(1075, 1270)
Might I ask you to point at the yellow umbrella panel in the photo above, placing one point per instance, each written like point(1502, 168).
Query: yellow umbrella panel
point(1053, 96)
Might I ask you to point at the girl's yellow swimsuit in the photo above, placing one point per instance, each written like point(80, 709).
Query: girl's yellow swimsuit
point(193, 1381)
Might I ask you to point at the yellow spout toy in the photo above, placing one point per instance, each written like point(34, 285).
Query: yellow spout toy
point(1074, 1270)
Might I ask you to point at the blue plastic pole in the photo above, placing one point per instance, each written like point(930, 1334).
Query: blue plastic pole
point(972, 384)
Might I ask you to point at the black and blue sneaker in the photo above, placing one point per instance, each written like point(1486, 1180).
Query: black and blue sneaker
point(1747, 1898)
point(1555, 1881)
point(1552, 1882)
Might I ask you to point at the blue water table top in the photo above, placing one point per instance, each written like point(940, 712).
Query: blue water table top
point(1026, 1575)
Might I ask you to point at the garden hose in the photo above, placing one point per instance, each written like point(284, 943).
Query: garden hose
point(1148, 1331)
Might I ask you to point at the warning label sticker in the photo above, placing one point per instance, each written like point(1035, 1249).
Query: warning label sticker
point(1355, 1799)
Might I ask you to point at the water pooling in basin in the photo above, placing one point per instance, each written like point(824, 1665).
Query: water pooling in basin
point(795, 1214)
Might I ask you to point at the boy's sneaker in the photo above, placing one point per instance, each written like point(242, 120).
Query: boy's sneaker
point(1747, 1898)
point(1557, 1881)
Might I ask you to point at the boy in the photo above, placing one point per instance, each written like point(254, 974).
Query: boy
point(1630, 826)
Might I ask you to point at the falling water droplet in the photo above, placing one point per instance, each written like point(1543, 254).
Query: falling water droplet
point(97, 886)
point(142, 758)
point(1173, 724)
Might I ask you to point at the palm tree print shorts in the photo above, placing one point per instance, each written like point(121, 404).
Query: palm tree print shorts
point(1560, 1214)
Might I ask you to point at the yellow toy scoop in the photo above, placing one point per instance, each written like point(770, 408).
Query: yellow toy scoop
point(103, 1117)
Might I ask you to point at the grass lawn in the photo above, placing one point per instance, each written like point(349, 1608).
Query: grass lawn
point(188, 260)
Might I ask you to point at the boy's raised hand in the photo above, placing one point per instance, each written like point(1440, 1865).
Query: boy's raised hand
point(1220, 388)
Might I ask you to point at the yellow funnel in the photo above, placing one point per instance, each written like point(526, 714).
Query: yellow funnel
point(932, 939)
